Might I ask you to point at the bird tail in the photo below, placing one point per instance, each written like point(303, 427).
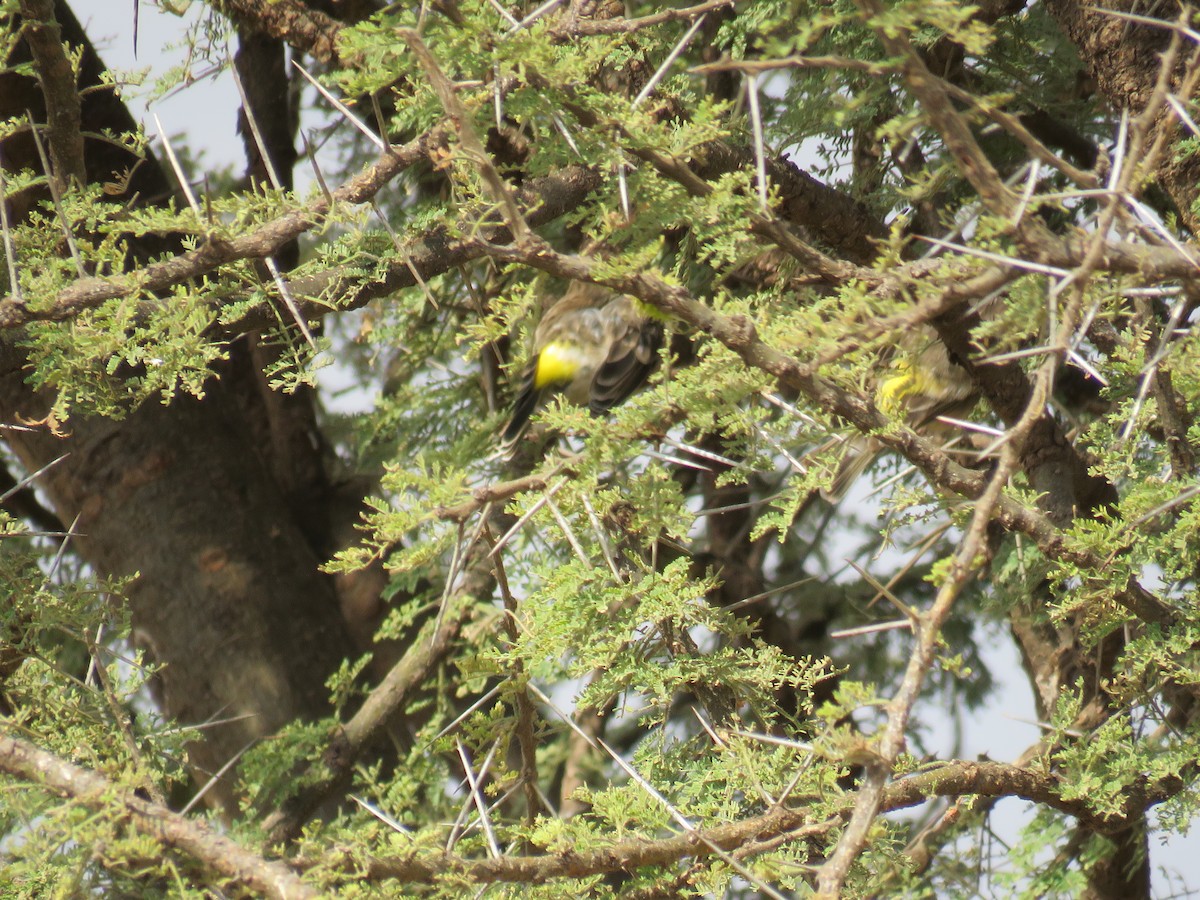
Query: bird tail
point(858, 457)
point(522, 410)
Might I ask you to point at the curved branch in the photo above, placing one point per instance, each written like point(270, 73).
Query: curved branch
point(217, 853)
point(542, 200)
point(291, 21)
point(426, 652)
point(503, 490)
point(953, 779)
point(216, 251)
point(840, 220)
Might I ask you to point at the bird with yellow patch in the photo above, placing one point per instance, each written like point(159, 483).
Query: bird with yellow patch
point(594, 347)
point(925, 384)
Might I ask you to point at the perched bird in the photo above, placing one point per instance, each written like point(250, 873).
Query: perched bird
point(925, 383)
point(593, 346)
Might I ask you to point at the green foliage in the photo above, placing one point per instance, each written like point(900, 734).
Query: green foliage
point(86, 701)
point(674, 573)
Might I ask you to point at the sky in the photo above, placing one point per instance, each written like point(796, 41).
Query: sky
point(204, 112)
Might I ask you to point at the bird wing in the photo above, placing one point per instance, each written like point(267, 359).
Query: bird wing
point(632, 355)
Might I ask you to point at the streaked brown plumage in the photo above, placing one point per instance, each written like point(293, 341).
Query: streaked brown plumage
point(593, 346)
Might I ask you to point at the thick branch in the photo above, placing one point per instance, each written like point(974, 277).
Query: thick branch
point(928, 628)
point(57, 78)
point(1125, 60)
point(801, 199)
point(954, 779)
point(971, 160)
point(291, 21)
point(216, 250)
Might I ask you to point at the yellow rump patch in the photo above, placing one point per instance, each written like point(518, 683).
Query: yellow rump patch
point(893, 393)
point(556, 364)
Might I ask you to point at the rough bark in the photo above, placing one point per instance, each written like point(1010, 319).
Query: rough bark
point(1123, 59)
point(218, 511)
point(227, 594)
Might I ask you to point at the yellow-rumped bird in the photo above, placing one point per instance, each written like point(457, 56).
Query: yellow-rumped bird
point(925, 383)
point(593, 346)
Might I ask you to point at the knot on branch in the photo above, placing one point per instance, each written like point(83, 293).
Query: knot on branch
point(338, 754)
point(214, 250)
point(742, 333)
point(13, 312)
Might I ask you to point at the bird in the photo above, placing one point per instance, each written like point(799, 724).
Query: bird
point(593, 346)
point(925, 383)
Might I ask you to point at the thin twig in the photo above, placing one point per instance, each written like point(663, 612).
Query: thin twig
point(665, 67)
point(290, 301)
point(180, 176)
point(396, 689)
point(477, 796)
point(56, 197)
point(582, 27)
point(687, 825)
point(760, 153)
point(120, 715)
point(10, 253)
point(472, 147)
point(341, 107)
point(536, 14)
point(525, 709)
point(255, 131)
point(956, 134)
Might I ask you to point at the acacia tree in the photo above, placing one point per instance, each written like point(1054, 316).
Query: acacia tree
point(252, 646)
